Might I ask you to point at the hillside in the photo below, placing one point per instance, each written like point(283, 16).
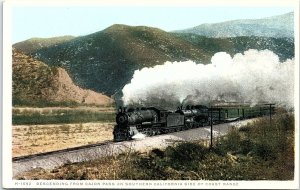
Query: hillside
point(105, 61)
point(283, 47)
point(34, 44)
point(275, 26)
point(35, 82)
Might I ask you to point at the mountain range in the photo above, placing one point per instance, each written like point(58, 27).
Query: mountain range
point(106, 60)
point(275, 26)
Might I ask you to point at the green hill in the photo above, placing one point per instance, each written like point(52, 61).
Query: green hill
point(34, 44)
point(105, 61)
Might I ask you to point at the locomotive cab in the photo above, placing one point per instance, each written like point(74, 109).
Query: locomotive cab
point(194, 115)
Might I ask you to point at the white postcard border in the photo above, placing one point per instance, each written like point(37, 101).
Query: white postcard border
point(107, 184)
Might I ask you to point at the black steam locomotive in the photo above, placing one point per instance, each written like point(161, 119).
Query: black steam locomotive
point(153, 121)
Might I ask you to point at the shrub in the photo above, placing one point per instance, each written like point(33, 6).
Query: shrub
point(185, 155)
point(264, 150)
point(246, 146)
point(231, 142)
point(65, 128)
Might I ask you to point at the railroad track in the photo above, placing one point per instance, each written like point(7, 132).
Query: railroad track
point(50, 160)
point(45, 154)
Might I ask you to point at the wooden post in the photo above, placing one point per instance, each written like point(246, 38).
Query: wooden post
point(260, 111)
point(211, 129)
point(270, 115)
point(219, 115)
point(243, 112)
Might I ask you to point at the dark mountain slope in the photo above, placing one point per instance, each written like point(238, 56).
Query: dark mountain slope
point(105, 61)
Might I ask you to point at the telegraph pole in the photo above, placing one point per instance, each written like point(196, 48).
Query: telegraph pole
point(211, 128)
point(270, 115)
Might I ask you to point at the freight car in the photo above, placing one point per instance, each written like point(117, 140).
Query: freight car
point(154, 121)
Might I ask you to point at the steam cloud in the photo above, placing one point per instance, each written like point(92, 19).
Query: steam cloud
point(255, 76)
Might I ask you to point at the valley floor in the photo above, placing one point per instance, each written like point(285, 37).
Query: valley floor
point(33, 139)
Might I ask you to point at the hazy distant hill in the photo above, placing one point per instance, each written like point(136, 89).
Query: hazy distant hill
point(275, 26)
point(34, 82)
point(105, 61)
point(34, 44)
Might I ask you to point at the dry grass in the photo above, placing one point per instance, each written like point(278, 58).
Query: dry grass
point(32, 139)
point(106, 168)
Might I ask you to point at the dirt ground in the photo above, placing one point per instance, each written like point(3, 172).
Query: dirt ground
point(32, 139)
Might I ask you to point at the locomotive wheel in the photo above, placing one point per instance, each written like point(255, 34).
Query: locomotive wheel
point(148, 133)
point(188, 126)
point(185, 127)
point(151, 133)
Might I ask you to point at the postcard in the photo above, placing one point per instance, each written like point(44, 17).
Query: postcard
point(151, 95)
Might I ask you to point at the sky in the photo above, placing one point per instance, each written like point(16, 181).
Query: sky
point(44, 22)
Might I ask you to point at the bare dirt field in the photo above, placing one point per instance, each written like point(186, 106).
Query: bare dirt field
point(32, 139)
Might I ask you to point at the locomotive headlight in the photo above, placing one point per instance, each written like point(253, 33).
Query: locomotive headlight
point(122, 119)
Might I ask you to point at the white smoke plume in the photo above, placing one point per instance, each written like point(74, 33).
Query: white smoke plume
point(139, 136)
point(255, 76)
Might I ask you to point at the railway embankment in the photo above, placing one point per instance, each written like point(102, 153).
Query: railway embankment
point(59, 158)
